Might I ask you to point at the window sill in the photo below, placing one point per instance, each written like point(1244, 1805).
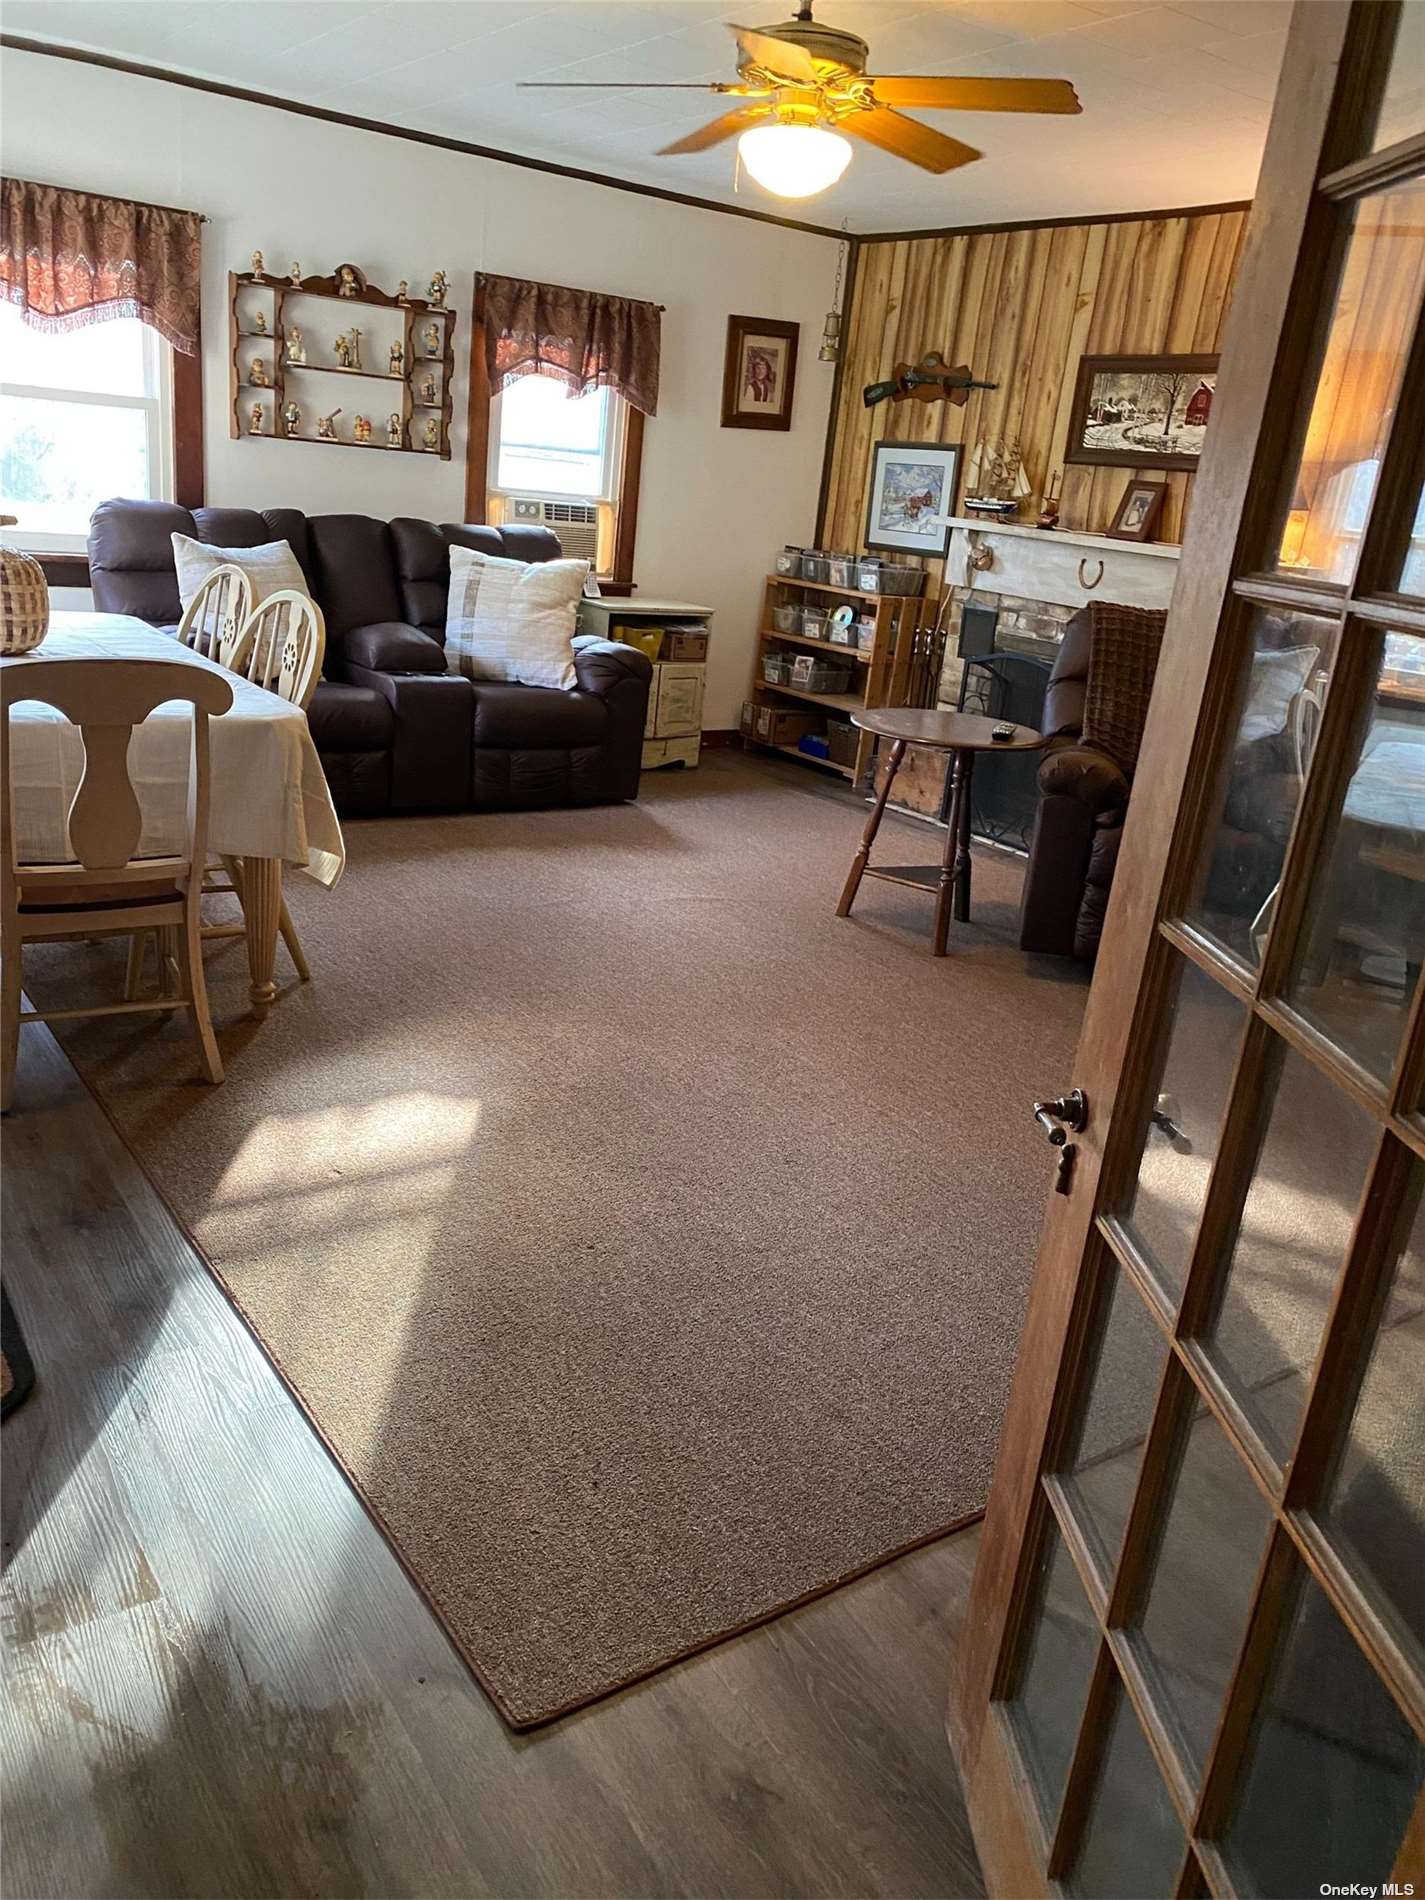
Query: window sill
point(60, 569)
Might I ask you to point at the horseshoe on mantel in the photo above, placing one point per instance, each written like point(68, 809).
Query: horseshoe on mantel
point(1084, 580)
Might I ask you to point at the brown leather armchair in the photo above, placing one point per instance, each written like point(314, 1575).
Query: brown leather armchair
point(1083, 795)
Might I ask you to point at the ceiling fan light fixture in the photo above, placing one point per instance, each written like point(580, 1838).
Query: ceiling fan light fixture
point(794, 161)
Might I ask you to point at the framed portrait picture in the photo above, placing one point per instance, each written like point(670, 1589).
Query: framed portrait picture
point(759, 373)
point(912, 483)
point(1141, 411)
point(1138, 512)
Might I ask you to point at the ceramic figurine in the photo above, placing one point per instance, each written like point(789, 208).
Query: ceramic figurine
point(342, 346)
point(432, 434)
point(296, 348)
point(259, 323)
point(361, 429)
point(257, 266)
point(346, 284)
point(294, 276)
point(428, 390)
point(355, 336)
point(393, 431)
point(403, 292)
point(326, 426)
point(292, 416)
point(257, 373)
point(254, 419)
point(439, 284)
point(396, 359)
point(430, 336)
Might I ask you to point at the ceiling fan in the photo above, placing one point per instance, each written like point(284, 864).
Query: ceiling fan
point(807, 84)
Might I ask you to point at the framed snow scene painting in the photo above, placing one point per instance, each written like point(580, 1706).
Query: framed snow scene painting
point(1141, 411)
point(912, 487)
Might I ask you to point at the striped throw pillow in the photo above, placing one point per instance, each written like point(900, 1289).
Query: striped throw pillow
point(512, 620)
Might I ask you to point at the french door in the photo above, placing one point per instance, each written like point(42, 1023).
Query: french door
point(1195, 1658)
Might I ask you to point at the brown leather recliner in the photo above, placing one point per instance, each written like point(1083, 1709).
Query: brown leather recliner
point(1083, 797)
point(395, 731)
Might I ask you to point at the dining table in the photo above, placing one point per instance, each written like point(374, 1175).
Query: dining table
point(268, 802)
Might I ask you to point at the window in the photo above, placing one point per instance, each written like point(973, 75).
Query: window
point(546, 442)
point(84, 414)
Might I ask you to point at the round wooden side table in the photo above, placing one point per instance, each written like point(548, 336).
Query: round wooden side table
point(962, 735)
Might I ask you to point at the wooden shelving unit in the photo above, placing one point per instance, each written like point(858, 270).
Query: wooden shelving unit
point(313, 300)
point(882, 671)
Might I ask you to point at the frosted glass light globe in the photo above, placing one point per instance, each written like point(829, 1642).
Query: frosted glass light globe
point(794, 161)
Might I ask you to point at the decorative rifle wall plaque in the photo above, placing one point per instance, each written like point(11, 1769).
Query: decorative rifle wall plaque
point(930, 380)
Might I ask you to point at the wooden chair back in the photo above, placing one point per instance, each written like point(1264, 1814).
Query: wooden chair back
point(217, 612)
point(106, 699)
point(280, 647)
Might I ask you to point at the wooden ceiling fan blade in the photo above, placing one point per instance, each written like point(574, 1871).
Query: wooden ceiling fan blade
point(907, 138)
point(976, 95)
point(728, 126)
point(641, 85)
point(777, 56)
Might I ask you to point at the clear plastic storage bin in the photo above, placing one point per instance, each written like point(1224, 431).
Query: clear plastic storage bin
point(814, 568)
point(787, 619)
point(776, 669)
point(815, 675)
point(841, 570)
point(889, 577)
point(814, 623)
point(789, 563)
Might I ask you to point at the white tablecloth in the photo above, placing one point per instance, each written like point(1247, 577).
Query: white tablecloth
point(268, 795)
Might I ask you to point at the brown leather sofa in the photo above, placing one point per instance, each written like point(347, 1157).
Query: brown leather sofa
point(1083, 798)
point(396, 732)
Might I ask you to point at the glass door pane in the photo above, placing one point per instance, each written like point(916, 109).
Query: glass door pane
point(1377, 300)
point(1333, 1769)
point(1375, 1506)
point(1367, 939)
point(1181, 1138)
point(1196, 1613)
point(1291, 1245)
point(1134, 1842)
point(1054, 1675)
point(1287, 668)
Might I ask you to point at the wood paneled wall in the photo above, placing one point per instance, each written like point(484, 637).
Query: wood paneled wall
point(1021, 308)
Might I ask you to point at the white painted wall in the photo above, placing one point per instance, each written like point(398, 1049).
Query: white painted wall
point(715, 503)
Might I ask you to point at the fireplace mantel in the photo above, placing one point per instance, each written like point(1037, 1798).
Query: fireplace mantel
point(1054, 564)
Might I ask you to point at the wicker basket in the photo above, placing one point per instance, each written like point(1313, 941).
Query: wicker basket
point(24, 602)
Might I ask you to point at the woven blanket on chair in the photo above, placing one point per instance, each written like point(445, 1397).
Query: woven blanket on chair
point(1123, 659)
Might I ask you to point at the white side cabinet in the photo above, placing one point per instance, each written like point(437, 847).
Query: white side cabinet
point(675, 635)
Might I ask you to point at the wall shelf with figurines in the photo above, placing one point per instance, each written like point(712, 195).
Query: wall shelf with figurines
point(284, 331)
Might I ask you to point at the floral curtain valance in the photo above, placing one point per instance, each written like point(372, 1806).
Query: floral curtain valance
point(585, 339)
point(69, 258)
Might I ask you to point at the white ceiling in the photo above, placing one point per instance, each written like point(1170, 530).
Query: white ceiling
point(1176, 97)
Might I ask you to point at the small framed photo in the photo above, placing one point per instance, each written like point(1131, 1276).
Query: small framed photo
point(759, 373)
point(1141, 411)
point(1138, 512)
point(912, 483)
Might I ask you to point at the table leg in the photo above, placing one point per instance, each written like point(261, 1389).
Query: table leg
point(873, 825)
point(262, 912)
point(965, 769)
point(950, 859)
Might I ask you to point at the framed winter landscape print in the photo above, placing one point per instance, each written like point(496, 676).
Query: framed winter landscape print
point(759, 373)
point(912, 483)
point(1141, 411)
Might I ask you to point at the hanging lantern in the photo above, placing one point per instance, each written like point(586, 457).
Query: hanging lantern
point(830, 351)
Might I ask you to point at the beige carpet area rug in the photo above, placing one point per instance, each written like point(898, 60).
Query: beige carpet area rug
point(649, 1246)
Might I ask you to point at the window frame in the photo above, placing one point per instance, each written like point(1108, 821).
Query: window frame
point(159, 407)
point(611, 455)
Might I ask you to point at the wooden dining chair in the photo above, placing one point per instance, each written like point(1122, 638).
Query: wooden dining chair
point(105, 889)
point(278, 646)
point(218, 611)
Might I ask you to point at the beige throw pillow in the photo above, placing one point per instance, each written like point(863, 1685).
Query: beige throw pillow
point(270, 567)
point(512, 620)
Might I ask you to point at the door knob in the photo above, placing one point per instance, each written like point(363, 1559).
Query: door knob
point(1062, 1116)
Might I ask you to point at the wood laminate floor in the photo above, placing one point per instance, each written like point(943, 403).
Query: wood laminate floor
point(219, 1681)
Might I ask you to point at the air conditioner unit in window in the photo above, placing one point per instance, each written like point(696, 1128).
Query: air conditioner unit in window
point(575, 522)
